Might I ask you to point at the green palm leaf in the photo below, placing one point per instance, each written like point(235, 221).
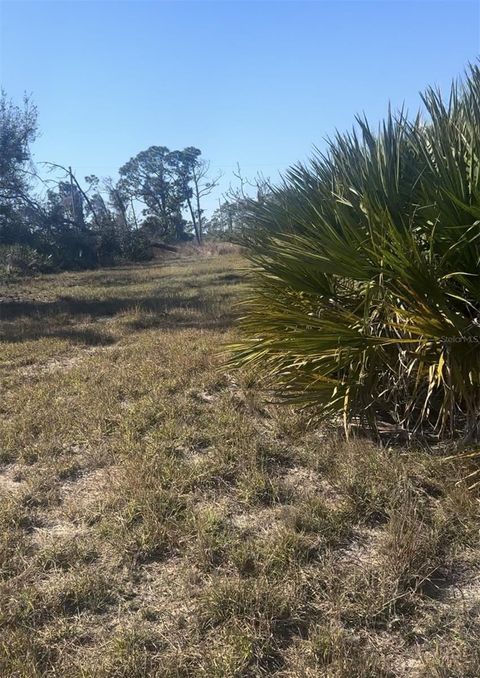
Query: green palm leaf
point(366, 300)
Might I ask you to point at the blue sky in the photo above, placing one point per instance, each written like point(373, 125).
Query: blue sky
point(253, 82)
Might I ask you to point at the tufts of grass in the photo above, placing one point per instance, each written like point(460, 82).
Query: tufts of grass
point(159, 519)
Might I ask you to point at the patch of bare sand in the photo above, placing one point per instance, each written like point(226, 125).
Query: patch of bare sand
point(12, 479)
point(86, 494)
point(52, 531)
point(310, 482)
point(259, 520)
point(465, 592)
point(157, 601)
point(61, 364)
point(399, 660)
point(66, 526)
point(364, 550)
point(164, 593)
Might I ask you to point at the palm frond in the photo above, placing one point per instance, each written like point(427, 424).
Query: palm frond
point(366, 298)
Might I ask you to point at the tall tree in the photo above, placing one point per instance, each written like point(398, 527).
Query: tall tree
point(167, 182)
point(118, 201)
point(151, 178)
point(18, 129)
point(193, 172)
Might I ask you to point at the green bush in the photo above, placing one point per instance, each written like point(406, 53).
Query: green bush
point(366, 296)
point(136, 246)
point(17, 260)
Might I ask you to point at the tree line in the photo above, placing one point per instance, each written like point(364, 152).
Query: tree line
point(54, 220)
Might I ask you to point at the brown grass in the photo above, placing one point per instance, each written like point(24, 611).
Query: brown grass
point(158, 518)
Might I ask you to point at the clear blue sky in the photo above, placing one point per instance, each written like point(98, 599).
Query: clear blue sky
point(257, 83)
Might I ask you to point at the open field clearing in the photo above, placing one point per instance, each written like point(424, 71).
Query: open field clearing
point(159, 518)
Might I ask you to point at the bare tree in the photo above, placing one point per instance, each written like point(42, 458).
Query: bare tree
point(75, 187)
point(194, 177)
point(202, 186)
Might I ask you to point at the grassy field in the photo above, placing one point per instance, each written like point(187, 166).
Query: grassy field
point(159, 518)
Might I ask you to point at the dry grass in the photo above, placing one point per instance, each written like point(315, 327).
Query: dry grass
point(157, 518)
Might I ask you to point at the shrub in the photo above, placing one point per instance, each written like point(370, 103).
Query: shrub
point(18, 260)
point(136, 246)
point(366, 297)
